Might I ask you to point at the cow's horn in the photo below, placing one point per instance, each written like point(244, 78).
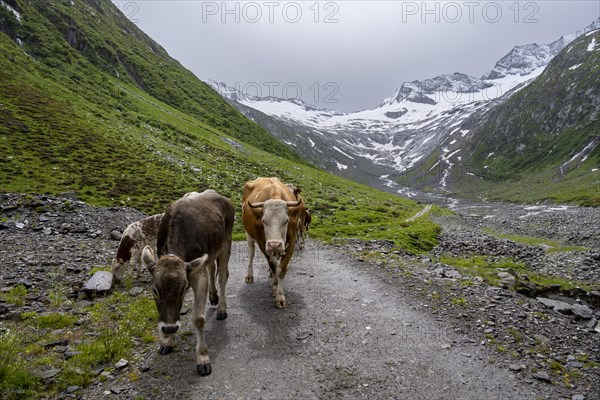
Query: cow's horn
point(256, 205)
point(293, 203)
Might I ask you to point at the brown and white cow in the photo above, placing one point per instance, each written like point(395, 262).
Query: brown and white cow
point(195, 232)
point(133, 240)
point(270, 213)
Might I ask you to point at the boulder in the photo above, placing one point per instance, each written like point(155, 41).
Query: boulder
point(99, 284)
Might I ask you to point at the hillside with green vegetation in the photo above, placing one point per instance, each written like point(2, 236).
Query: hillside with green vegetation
point(93, 106)
point(544, 141)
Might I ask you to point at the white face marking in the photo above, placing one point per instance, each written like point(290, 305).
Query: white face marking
point(275, 222)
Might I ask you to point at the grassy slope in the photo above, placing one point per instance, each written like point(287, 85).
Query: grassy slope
point(75, 127)
point(552, 119)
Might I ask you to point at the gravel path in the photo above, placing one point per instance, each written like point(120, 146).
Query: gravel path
point(344, 334)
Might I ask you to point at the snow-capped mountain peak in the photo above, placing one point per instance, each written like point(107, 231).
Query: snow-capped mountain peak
point(420, 91)
point(524, 59)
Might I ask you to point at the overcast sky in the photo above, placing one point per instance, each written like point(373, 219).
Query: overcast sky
point(347, 55)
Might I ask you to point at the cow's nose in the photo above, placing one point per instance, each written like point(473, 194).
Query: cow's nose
point(275, 246)
point(168, 329)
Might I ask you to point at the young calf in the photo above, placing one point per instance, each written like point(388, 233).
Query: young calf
point(195, 232)
point(135, 237)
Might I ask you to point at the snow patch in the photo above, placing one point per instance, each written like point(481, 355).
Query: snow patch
point(340, 151)
point(574, 67)
point(341, 166)
point(592, 45)
point(592, 32)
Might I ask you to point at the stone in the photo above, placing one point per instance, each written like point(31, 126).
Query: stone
point(574, 364)
point(507, 279)
point(115, 235)
point(542, 376)
point(62, 342)
point(70, 354)
point(46, 373)
point(556, 305)
point(117, 389)
point(122, 363)
point(107, 375)
point(99, 284)
point(578, 397)
point(582, 311)
point(439, 272)
point(452, 274)
point(516, 367)
point(136, 291)
point(72, 389)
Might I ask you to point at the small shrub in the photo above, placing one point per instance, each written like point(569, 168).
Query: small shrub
point(15, 379)
point(15, 295)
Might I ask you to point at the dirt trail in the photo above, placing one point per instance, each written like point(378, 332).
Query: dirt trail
point(345, 333)
point(420, 213)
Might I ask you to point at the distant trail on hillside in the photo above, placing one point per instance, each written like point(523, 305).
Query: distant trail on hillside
point(420, 213)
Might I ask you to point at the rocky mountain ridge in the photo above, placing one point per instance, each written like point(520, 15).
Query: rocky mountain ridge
point(410, 137)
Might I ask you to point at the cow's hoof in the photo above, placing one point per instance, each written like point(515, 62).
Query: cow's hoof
point(203, 369)
point(280, 303)
point(214, 299)
point(163, 350)
point(249, 279)
point(221, 315)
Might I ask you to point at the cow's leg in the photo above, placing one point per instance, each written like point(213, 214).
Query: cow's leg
point(223, 276)
point(280, 301)
point(280, 271)
point(251, 247)
point(300, 235)
point(138, 261)
point(200, 287)
point(213, 297)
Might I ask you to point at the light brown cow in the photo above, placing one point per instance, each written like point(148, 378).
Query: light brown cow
point(270, 213)
point(195, 232)
point(133, 240)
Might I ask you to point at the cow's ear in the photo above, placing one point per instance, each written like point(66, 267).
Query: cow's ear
point(120, 260)
point(148, 258)
point(197, 263)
